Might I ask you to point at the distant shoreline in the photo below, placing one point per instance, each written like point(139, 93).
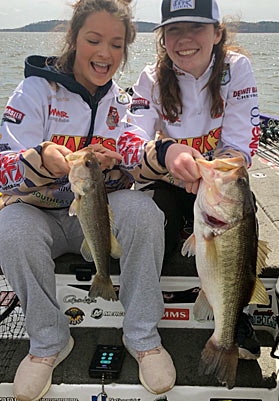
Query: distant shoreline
point(61, 26)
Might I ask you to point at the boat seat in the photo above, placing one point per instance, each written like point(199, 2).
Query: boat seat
point(175, 266)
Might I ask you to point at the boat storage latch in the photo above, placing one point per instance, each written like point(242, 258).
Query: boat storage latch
point(82, 272)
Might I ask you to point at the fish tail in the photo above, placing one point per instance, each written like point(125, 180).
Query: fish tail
point(102, 287)
point(220, 362)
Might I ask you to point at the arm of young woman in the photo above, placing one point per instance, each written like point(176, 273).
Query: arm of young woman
point(146, 156)
point(22, 141)
point(241, 125)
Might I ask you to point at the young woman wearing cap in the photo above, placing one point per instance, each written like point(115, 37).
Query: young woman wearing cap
point(199, 95)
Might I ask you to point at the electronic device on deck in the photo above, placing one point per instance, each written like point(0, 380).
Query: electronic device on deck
point(107, 361)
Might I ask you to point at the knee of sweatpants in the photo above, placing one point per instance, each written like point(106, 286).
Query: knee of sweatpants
point(18, 232)
point(132, 208)
point(8, 232)
point(147, 214)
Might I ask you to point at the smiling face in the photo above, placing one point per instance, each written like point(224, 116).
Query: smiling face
point(99, 50)
point(189, 45)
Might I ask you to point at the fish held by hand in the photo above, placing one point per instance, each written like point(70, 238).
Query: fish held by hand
point(229, 257)
point(95, 217)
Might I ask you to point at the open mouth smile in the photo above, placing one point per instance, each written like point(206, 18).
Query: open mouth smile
point(101, 68)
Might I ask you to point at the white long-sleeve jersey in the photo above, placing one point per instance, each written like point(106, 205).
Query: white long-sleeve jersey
point(237, 127)
point(48, 106)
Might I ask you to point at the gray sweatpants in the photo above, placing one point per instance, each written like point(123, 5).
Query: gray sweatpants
point(31, 238)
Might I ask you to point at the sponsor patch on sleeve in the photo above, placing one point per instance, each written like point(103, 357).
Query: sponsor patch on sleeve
point(4, 146)
point(11, 172)
point(12, 116)
point(139, 104)
point(130, 146)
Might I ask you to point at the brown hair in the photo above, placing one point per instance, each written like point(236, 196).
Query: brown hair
point(82, 9)
point(170, 93)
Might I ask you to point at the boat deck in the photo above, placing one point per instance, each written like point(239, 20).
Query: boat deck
point(184, 344)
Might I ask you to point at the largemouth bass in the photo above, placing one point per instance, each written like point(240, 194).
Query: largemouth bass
point(92, 209)
point(229, 258)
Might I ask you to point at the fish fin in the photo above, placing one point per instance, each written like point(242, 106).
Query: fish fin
point(202, 309)
point(78, 188)
point(116, 250)
point(111, 218)
point(220, 362)
point(263, 251)
point(189, 246)
point(85, 251)
point(102, 287)
point(259, 295)
point(211, 253)
point(73, 208)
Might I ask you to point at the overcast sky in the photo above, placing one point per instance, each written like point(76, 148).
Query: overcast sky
point(17, 13)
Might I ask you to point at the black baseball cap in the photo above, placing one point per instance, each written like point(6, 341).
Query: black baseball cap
point(203, 11)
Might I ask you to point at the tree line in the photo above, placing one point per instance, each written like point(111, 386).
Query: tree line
point(61, 26)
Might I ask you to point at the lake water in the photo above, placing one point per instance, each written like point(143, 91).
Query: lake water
point(15, 46)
